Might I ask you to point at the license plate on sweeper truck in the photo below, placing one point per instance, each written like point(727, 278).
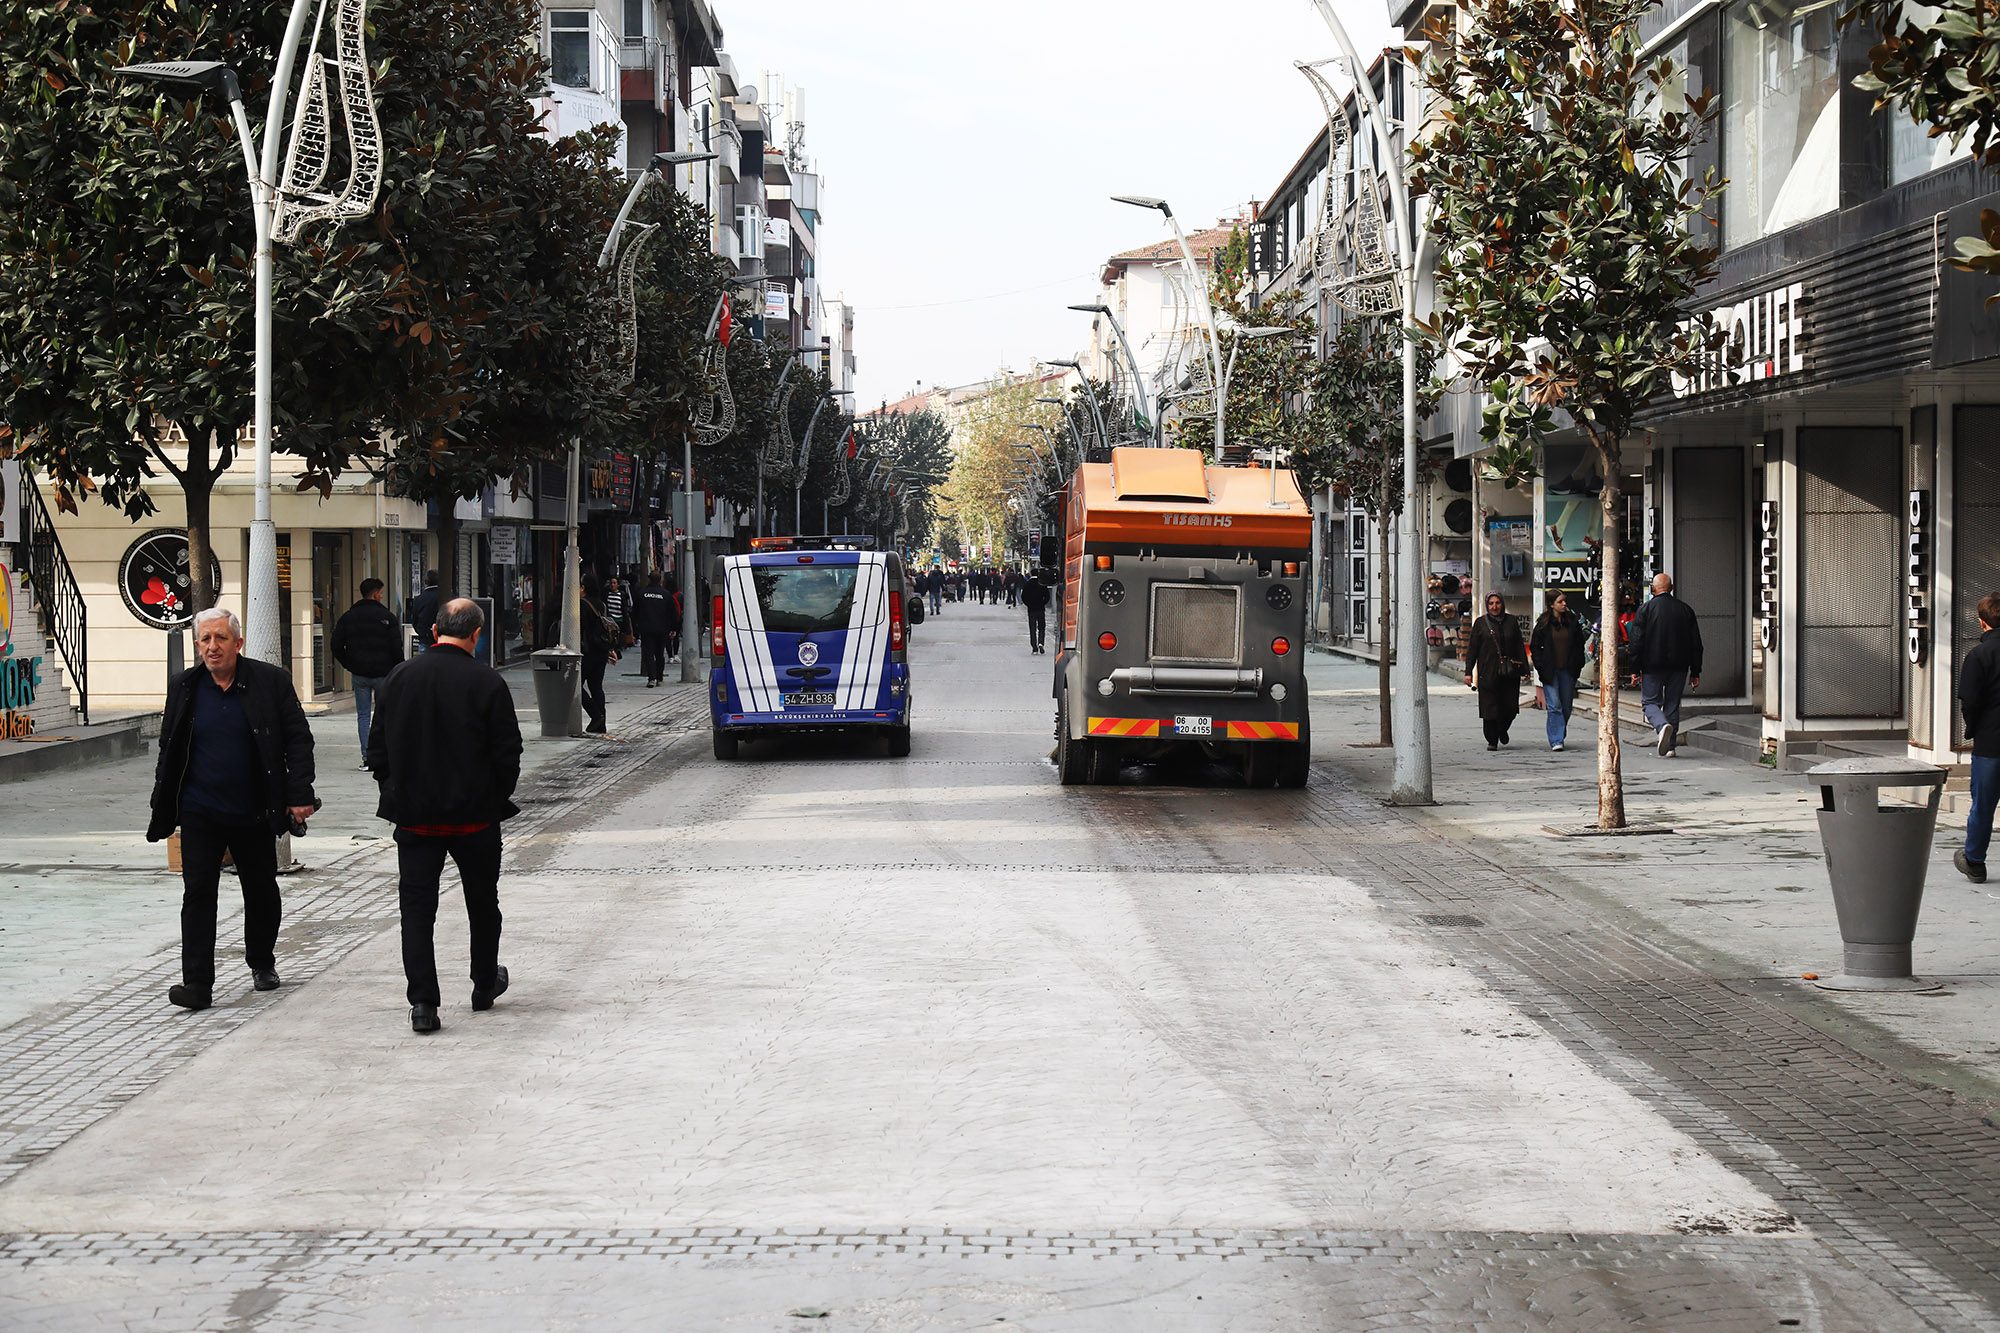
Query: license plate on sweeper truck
point(1187, 724)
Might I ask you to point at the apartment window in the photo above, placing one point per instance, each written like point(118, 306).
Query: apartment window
point(750, 227)
point(569, 47)
point(635, 17)
point(1780, 117)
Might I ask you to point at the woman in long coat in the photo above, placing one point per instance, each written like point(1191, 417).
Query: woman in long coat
point(1498, 660)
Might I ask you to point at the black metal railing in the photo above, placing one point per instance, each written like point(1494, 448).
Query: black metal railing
point(57, 596)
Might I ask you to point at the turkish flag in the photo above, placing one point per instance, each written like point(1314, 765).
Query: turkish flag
point(853, 444)
point(722, 329)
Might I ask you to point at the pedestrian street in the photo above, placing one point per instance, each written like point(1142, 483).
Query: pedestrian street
point(823, 1039)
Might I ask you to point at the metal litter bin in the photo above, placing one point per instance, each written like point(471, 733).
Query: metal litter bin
point(559, 690)
point(1876, 858)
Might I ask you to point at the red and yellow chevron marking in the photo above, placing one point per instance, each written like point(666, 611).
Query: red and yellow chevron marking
point(1124, 726)
point(1261, 731)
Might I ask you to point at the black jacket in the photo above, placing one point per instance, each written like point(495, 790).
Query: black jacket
point(423, 613)
point(368, 640)
point(278, 726)
point(655, 611)
point(1035, 595)
point(1542, 647)
point(1666, 637)
point(1979, 695)
point(444, 743)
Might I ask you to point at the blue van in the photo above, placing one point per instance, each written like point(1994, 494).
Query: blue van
point(810, 634)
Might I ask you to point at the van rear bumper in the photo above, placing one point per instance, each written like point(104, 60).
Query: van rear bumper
point(817, 719)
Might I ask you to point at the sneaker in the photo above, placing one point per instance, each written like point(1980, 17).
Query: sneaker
point(1556, 748)
point(363, 768)
point(1972, 870)
point(1666, 740)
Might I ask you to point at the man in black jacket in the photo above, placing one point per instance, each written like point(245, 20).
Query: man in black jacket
point(1035, 596)
point(654, 617)
point(235, 770)
point(1666, 645)
point(446, 751)
point(369, 643)
point(1979, 700)
point(423, 611)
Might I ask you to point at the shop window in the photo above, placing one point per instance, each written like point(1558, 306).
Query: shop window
point(1780, 116)
point(1912, 151)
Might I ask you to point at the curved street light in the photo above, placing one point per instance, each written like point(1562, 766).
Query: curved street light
point(1195, 281)
point(1144, 410)
point(1088, 392)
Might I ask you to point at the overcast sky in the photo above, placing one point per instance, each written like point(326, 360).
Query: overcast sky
point(968, 151)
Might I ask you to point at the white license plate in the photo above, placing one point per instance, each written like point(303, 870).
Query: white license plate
point(809, 699)
point(1189, 725)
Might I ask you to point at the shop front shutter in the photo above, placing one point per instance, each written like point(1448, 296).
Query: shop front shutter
point(1711, 560)
point(1975, 531)
point(1850, 572)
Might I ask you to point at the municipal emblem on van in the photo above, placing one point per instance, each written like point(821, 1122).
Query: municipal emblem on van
point(808, 653)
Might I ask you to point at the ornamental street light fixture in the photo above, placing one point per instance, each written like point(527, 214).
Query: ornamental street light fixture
point(286, 194)
point(1242, 335)
point(1075, 435)
point(1412, 782)
point(1144, 412)
point(1090, 393)
point(1055, 448)
point(1200, 289)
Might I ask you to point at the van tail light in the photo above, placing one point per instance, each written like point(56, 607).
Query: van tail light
point(895, 620)
point(717, 645)
point(1107, 641)
point(1281, 646)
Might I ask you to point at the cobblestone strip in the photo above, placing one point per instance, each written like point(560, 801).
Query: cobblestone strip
point(66, 1072)
point(1889, 1173)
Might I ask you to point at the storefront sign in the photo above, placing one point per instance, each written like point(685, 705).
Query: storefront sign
point(1918, 578)
point(1767, 575)
point(154, 581)
point(1571, 574)
point(505, 545)
point(1763, 338)
point(777, 303)
point(20, 677)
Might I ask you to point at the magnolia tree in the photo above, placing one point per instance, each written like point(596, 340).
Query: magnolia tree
point(1570, 241)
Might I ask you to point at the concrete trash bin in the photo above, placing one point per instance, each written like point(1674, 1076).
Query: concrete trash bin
point(559, 690)
point(1876, 858)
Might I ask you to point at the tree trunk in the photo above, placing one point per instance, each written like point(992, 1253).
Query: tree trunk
point(1382, 589)
point(198, 490)
point(1610, 775)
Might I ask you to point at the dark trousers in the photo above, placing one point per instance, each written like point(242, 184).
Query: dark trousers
point(255, 850)
point(1037, 629)
point(1660, 697)
point(593, 688)
point(421, 863)
point(653, 656)
point(1496, 727)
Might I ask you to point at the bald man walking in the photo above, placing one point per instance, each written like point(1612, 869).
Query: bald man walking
point(1666, 645)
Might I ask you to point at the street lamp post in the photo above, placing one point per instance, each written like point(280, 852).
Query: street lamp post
point(1412, 782)
point(1242, 336)
point(1145, 411)
point(261, 605)
point(1075, 435)
point(1055, 449)
point(1090, 392)
point(1200, 291)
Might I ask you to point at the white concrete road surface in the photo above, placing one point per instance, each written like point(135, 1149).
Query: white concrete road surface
point(789, 1036)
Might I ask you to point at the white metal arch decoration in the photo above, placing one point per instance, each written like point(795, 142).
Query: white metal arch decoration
point(302, 194)
point(1349, 249)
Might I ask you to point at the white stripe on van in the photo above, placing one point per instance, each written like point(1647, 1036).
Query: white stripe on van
point(874, 572)
point(756, 678)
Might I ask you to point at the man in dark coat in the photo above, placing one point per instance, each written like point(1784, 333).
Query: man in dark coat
point(446, 750)
point(423, 611)
point(1666, 645)
point(1035, 596)
point(368, 641)
point(654, 618)
point(235, 771)
point(1979, 700)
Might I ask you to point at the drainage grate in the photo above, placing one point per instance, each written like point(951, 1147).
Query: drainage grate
point(1448, 919)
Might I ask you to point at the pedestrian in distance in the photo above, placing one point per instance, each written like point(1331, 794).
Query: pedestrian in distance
point(1498, 660)
point(1556, 649)
point(368, 641)
point(617, 611)
point(934, 585)
point(1013, 582)
point(235, 771)
point(654, 620)
point(1035, 597)
point(1979, 702)
point(422, 612)
point(446, 750)
point(600, 649)
point(1666, 647)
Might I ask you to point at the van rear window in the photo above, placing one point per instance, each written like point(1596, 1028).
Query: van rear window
point(805, 599)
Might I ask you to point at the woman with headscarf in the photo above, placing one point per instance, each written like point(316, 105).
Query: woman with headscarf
point(1498, 661)
point(1556, 647)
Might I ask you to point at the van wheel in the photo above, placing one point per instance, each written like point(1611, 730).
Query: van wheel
point(1073, 758)
point(725, 744)
point(1259, 766)
point(896, 742)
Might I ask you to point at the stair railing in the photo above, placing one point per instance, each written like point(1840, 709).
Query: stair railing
point(58, 597)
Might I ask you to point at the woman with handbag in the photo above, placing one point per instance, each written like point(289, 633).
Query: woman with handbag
point(1499, 659)
point(1557, 649)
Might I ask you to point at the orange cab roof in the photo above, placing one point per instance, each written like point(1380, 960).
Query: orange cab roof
point(1170, 497)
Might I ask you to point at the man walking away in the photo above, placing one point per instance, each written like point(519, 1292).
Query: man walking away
point(655, 617)
point(1035, 597)
point(446, 750)
point(1666, 645)
point(423, 611)
point(674, 625)
point(369, 643)
point(1013, 588)
point(1979, 699)
point(934, 585)
point(235, 770)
